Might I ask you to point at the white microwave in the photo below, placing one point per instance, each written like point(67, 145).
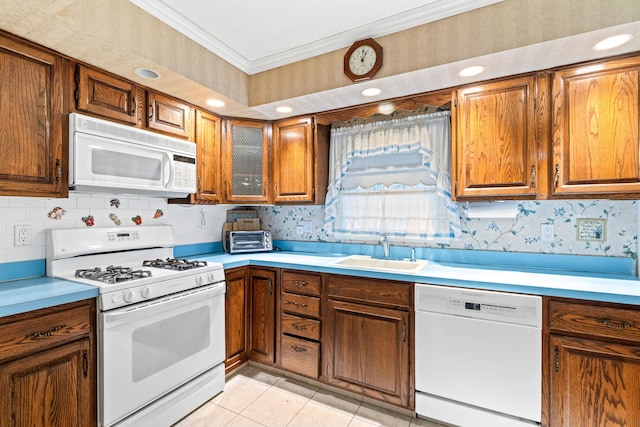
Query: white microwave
point(114, 158)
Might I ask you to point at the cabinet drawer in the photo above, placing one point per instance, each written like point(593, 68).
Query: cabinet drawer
point(608, 322)
point(300, 326)
point(303, 283)
point(397, 294)
point(301, 304)
point(300, 356)
point(31, 333)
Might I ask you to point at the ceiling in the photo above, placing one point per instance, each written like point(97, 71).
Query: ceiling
point(228, 50)
point(258, 35)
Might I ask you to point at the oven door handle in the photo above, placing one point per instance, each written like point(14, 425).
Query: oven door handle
point(141, 310)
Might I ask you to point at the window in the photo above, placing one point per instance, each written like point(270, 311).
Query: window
point(392, 178)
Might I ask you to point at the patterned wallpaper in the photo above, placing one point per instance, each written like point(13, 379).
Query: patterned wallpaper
point(581, 227)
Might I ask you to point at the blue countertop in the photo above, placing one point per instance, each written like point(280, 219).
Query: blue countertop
point(19, 296)
point(617, 289)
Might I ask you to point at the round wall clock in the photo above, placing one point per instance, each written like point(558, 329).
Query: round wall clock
point(363, 60)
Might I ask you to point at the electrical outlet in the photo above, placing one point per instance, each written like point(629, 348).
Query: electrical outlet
point(22, 235)
point(547, 232)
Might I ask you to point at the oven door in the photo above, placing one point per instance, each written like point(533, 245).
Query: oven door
point(149, 349)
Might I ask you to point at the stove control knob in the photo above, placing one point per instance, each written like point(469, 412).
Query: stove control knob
point(200, 279)
point(210, 277)
point(146, 292)
point(129, 296)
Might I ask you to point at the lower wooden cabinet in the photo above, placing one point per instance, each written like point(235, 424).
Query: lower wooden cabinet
point(262, 285)
point(367, 338)
point(236, 318)
point(48, 367)
point(593, 364)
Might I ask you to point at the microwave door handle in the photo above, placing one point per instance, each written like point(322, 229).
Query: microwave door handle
point(168, 168)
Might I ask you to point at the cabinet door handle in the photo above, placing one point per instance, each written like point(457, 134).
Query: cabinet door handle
point(556, 355)
point(270, 286)
point(85, 363)
point(150, 111)
point(299, 328)
point(58, 170)
point(557, 176)
point(618, 326)
point(134, 105)
point(298, 349)
point(404, 331)
point(300, 283)
point(275, 189)
point(43, 334)
point(533, 176)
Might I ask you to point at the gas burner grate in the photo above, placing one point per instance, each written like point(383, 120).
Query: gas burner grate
point(112, 274)
point(174, 264)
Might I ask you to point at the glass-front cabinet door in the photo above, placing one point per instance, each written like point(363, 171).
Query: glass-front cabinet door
point(246, 162)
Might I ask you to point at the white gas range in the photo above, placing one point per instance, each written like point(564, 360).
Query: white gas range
point(160, 323)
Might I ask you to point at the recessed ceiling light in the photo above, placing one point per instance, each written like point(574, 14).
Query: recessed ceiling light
point(284, 109)
point(474, 70)
point(371, 91)
point(611, 42)
point(215, 103)
point(146, 73)
point(386, 108)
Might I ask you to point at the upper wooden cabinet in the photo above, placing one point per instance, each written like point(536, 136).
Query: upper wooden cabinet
point(106, 95)
point(169, 115)
point(495, 150)
point(113, 98)
point(33, 138)
point(300, 158)
point(596, 129)
point(245, 159)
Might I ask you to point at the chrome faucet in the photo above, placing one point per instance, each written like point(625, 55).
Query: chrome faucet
point(385, 246)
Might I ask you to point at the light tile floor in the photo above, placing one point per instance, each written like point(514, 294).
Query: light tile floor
point(254, 398)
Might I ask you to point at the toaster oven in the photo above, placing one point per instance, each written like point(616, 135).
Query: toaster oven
point(249, 241)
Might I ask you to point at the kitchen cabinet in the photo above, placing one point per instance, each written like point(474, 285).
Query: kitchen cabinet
point(300, 322)
point(108, 96)
point(33, 138)
point(208, 146)
point(169, 115)
point(48, 367)
point(113, 98)
point(595, 128)
point(262, 284)
point(593, 364)
point(246, 158)
point(236, 318)
point(301, 161)
point(498, 139)
point(367, 338)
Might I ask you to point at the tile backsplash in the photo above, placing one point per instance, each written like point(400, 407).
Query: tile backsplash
point(192, 224)
point(203, 224)
point(522, 233)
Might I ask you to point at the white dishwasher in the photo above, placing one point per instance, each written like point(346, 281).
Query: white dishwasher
point(478, 356)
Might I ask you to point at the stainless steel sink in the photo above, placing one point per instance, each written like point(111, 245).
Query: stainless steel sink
point(364, 262)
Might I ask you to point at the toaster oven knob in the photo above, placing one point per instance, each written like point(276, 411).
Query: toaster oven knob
point(146, 292)
point(128, 296)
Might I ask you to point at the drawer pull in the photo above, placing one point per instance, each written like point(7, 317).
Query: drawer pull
point(297, 304)
point(43, 334)
point(300, 283)
point(617, 326)
point(299, 328)
point(298, 349)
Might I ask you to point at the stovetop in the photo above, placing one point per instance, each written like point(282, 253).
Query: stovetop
point(127, 265)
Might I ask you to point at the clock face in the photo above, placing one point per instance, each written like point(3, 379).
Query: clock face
point(362, 60)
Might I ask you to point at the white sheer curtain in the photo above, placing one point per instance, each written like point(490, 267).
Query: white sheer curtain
point(392, 178)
